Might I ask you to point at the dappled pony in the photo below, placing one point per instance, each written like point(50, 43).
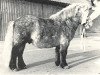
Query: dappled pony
point(55, 31)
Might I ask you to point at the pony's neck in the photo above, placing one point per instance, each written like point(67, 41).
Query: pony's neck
point(74, 22)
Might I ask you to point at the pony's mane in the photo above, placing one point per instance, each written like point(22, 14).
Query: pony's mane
point(67, 12)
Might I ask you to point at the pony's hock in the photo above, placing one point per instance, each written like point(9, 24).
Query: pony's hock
point(56, 31)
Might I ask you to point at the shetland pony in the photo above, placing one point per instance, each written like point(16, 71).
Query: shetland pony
point(56, 31)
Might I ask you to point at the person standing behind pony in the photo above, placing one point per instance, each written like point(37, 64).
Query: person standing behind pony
point(96, 13)
point(96, 7)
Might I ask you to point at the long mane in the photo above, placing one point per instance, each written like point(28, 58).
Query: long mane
point(67, 12)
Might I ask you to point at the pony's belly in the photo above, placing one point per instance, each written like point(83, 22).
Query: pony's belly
point(46, 42)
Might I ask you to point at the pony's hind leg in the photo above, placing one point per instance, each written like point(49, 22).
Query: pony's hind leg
point(17, 52)
point(57, 62)
point(63, 53)
point(14, 55)
point(21, 64)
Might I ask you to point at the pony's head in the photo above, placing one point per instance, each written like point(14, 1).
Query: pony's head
point(82, 12)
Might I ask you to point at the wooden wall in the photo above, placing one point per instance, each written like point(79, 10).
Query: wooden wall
point(12, 9)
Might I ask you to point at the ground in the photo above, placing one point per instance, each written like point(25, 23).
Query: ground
point(41, 61)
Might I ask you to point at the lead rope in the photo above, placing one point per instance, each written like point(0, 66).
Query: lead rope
point(82, 36)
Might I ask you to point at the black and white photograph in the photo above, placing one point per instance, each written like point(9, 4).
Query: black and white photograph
point(49, 37)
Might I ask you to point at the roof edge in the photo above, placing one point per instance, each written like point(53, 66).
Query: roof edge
point(49, 2)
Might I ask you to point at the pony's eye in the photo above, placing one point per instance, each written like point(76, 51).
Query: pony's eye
point(76, 14)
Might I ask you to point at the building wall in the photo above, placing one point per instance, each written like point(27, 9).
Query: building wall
point(12, 9)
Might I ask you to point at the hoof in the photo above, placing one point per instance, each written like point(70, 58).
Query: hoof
point(21, 68)
point(64, 66)
point(15, 70)
point(12, 67)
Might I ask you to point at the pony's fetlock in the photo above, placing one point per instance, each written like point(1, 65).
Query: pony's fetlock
point(21, 66)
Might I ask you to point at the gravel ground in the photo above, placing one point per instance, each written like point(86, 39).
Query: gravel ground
point(41, 61)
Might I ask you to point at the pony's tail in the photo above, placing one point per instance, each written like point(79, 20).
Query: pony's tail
point(8, 44)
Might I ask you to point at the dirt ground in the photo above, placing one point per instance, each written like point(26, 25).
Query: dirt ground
point(41, 61)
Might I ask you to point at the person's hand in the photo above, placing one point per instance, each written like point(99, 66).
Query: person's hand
point(88, 23)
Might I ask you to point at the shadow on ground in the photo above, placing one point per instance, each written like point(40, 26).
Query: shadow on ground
point(85, 57)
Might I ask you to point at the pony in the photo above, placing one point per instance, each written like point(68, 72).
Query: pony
point(56, 31)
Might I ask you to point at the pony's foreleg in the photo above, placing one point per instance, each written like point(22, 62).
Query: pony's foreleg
point(57, 51)
point(63, 53)
point(21, 64)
